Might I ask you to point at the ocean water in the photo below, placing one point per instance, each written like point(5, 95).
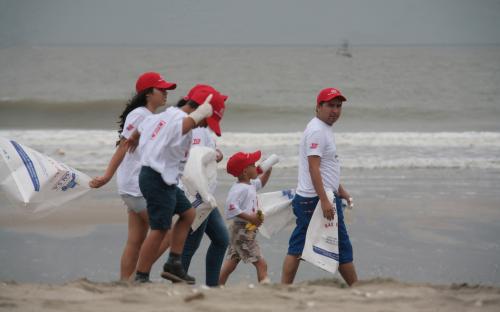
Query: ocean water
point(90, 150)
point(270, 88)
point(419, 143)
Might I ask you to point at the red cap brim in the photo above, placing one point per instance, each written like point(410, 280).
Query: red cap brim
point(214, 124)
point(165, 85)
point(254, 157)
point(333, 96)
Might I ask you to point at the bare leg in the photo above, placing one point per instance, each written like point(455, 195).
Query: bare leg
point(165, 244)
point(290, 267)
point(348, 272)
point(149, 250)
point(137, 231)
point(181, 230)
point(227, 269)
point(261, 267)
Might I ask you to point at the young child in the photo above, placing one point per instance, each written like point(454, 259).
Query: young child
point(242, 207)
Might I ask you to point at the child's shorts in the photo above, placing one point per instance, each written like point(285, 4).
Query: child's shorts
point(136, 204)
point(303, 208)
point(163, 200)
point(242, 245)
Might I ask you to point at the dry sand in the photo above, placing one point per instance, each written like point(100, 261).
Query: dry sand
point(323, 295)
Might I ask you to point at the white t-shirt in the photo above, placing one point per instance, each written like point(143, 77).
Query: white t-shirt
point(318, 140)
point(242, 198)
point(127, 175)
point(162, 145)
point(202, 136)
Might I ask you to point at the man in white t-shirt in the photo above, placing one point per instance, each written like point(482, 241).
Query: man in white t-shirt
point(319, 173)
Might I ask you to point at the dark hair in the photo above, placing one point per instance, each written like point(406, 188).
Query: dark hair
point(191, 103)
point(181, 102)
point(138, 100)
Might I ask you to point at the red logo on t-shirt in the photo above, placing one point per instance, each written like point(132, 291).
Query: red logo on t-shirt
point(158, 128)
point(196, 141)
point(130, 127)
point(314, 145)
point(231, 207)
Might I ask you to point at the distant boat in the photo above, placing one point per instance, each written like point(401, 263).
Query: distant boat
point(344, 49)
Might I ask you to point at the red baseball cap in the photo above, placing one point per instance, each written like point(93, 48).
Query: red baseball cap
point(218, 107)
point(328, 94)
point(197, 88)
point(153, 80)
point(239, 161)
point(199, 94)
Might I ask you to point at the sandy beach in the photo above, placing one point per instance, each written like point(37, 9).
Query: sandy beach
point(321, 295)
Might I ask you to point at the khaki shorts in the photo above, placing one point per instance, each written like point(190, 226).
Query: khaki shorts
point(243, 245)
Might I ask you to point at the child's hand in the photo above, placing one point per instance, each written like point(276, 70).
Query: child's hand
point(255, 221)
point(218, 155)
point(97, 182)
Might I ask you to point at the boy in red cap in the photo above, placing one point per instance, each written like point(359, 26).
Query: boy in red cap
point(242, 207)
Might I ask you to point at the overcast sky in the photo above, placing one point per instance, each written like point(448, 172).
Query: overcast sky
point(250, 22)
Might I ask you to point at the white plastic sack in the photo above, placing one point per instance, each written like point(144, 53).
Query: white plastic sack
point(36, 182)
point(321, 247)
point(203, 209)
point(277, 209)
point(200, 173)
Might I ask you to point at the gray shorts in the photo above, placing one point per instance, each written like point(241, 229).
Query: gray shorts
point(136, 204)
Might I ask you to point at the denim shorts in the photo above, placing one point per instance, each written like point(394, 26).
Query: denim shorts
point(163, 200)
point(136, 204)
point(303, 208)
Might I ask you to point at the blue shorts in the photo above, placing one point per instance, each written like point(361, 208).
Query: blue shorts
point(163, 200)
point(303, 208)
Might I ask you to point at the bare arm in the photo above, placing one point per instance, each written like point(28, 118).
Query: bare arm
point(345, 195)
point(114, 163)
point(133, 141)
point(188, 124)
point(326, 206)
point(203, 111)
point(265, 177)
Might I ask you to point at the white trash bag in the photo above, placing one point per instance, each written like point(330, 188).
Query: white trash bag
point(199, 177)
point(277, 210)
point(35, 182)
point(322, 247)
